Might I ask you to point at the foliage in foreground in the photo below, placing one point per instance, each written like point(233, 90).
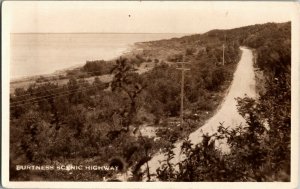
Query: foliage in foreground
point(259, 151)
point(86, 123)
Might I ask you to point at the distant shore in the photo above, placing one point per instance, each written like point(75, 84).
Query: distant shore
point(45, 54)
point(58, 76)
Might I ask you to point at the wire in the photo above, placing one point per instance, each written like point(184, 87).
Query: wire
point(37, 99)
point(59, 95)
point(47, 90)
point(56, 93)
point(33, 100)
point(56, 79)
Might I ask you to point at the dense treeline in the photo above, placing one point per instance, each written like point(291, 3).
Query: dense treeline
point(99, 123)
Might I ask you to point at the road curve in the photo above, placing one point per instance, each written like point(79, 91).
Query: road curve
point(243, 84)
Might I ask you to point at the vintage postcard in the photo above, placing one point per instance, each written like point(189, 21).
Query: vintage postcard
point(150, 94)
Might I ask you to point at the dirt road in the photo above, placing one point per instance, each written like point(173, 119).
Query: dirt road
point(243, 84)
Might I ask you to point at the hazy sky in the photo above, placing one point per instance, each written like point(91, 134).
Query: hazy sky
point(141, 17)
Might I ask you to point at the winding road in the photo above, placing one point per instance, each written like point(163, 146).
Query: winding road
point(243, 84)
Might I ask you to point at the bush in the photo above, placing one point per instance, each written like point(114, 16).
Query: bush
point(98, 67)
point(175, 58)
point(190, 51)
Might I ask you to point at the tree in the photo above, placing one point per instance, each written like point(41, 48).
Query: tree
point(259, 150)
point(128, 82)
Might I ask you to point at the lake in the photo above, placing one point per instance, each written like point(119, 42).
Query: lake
point(37, 54)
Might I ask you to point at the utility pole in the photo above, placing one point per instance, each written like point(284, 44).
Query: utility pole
point(224, 49)
point(183, 69)
point(223, 53)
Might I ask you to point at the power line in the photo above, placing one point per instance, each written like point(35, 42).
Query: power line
point(57, 79)
point(38, 99)
point(21, 104)
point(56, 93)
point(34, 93)
point(58, 88)
point(59, 95)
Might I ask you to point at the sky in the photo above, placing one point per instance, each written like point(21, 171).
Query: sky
point(140, 16)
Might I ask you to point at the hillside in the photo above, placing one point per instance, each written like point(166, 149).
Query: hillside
point(124, 121)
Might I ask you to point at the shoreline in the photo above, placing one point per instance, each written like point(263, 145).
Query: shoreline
point(129, 48)
point(62, 71)
point(26, 81)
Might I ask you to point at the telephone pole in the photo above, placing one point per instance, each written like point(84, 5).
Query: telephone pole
point(224, 49)
point(183, 69)
point(223, 53)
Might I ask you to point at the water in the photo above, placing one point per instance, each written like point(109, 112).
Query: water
point(36, 54)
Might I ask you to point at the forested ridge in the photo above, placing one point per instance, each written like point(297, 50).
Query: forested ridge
point(94, 122)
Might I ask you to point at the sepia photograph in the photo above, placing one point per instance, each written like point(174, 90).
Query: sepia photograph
point(150, 94)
